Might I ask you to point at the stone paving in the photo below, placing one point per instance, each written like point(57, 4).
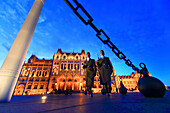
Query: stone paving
point(79, 103)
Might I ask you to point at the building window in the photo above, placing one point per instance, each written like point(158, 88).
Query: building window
point(43, 74)
point(68, 66)
point(64, 57)
point(57, 57)
point(29, 87)
point(75, 66)
point(40, 73)
point(41, 87)
point(37, 73)
point(35, 86)
point(64, 66)
point(33, 73)
point(36, 80)
point(31, 80)
point(76, 57)
point(61, 66)
point(46, 73)
point(43, 80)
point(39, 68)
point(83, 58)
point(46, 68)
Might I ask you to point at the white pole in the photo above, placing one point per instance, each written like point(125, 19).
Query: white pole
point(11, 67)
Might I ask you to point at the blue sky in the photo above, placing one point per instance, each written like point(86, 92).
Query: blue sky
point(140, 29)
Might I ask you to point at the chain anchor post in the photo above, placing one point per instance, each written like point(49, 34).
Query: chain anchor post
point(150, 86)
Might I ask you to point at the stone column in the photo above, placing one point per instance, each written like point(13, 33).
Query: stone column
point(11, 67)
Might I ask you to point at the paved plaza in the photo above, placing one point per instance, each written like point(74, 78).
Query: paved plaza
point(79, 103)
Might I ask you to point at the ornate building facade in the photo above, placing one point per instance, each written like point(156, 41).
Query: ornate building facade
point(64, 71)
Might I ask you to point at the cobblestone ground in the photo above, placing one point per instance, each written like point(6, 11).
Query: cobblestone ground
point(79, 103)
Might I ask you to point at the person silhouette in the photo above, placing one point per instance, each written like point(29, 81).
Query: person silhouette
point(90, 73)
point(105, 70)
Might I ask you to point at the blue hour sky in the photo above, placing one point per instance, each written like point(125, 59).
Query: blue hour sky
point(140, 29)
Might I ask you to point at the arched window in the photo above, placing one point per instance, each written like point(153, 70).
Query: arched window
point(40, 73)
point(77, 57)
point(64, 57)
point(61, 66)
point(46, 73)
point(37, 73)
point(74, 66)
point(33, 73)
point(68, 66)
point(64, 66)
point(43, 74)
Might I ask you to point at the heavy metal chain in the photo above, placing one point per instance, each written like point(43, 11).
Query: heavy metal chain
point(118, 53)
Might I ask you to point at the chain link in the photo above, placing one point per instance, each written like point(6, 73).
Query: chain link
point(117, 52)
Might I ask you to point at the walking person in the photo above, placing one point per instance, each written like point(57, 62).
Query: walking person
point(90, 73)
point(105, 70)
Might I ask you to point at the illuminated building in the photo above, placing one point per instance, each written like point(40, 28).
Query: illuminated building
point(64, 71)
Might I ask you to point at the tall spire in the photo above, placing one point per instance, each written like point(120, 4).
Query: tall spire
point(73, 50)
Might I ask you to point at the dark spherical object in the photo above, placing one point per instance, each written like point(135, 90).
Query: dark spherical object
point(151, 87)
point(123, 90)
